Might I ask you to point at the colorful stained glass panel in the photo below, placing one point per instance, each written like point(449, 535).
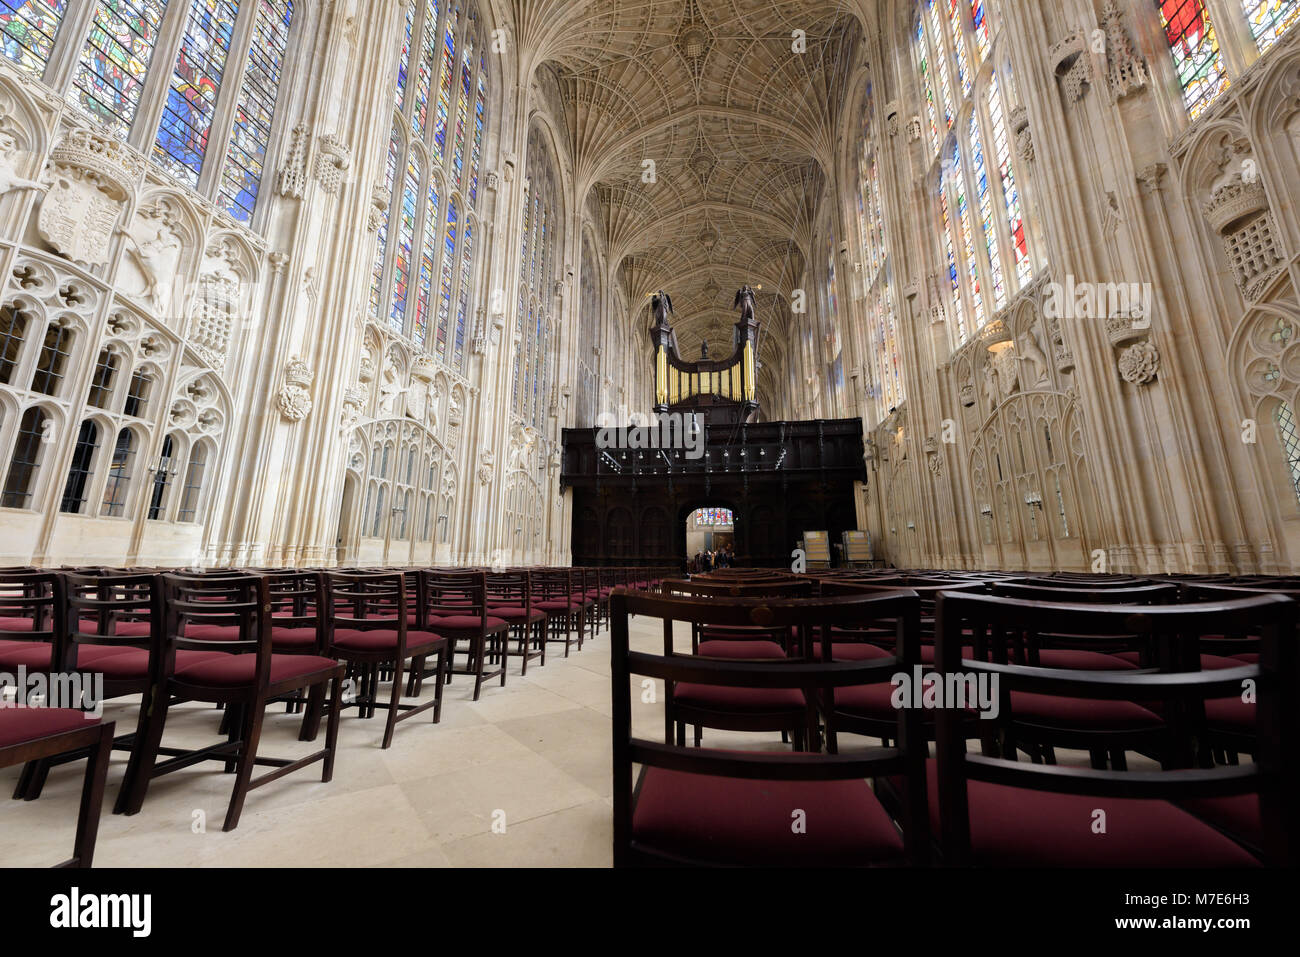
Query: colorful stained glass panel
point(111, 71)
point(27, 30)
point(241, 177)
point(182, 137)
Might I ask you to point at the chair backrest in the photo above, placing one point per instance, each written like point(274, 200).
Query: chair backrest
point(33, 608)
point(97, 604)
point(510, 589)
point(786, 587)
point(452, 593)
point(906, 761)
point(242, 602)
point(553, 584)
point(365, 601)
point(1180, 684)
point(1143, 594)
point(298, 601)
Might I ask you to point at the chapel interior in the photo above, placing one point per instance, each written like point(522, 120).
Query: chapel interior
point(564, 375)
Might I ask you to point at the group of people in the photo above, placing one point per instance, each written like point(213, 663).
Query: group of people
point(706, 561)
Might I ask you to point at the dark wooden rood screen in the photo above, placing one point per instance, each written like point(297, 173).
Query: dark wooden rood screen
point(778, 478)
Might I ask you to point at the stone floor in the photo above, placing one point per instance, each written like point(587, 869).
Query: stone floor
point(537, 750)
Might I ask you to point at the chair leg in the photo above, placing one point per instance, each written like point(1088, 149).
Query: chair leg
point(32, 780)
point(144, 753)
point(437, 694)
point(311, 717)
point(331, 730)
point(393, 703)
point(253, 713)
point(92, 799)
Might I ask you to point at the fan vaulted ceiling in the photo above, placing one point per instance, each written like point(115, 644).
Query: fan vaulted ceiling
point(738, 125)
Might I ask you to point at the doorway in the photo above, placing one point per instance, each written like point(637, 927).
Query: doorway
point(710, 538)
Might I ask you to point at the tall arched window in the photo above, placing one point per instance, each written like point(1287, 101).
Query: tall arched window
point(1195, 48)
point(83, 460)
point(13, 325)
point(588, 337)
point(533, 362)
point(193, 485)
point(1289, 435)
point(979, 212)
point(884, 384)
point(20, 481)
point(214, 65)
point(1269, 19)
point(424, 261)
point(119, 475)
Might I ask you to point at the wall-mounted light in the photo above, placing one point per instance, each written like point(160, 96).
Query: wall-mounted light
point(1033, 500)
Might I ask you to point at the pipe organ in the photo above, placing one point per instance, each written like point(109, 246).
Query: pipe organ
point(723, 390)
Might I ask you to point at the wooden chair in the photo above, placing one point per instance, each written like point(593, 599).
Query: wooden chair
point(367, 626)
point(455, 607)
point(991, 810)
point(694, 806)
point(244, 679)
point(32, 735)
point(554, 589)
point(510, 598)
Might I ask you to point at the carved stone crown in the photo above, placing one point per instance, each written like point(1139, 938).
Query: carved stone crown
point(297, 373)
point(422, 367)
point(1234, 202)
point(116, 164)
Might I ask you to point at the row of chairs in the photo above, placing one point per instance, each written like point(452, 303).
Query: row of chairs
point(320, 641)
point(815, 657)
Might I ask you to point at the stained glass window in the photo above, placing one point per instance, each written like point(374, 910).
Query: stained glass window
point(111, 70)
point(981, 21)
point(986, 215)
point(480, 105)
point(462, 311)
point(448, 272)
point(444, 85)
point(957, 38)
point(404, 61)
point(428, 64)
point(923, 64)
point(428, 258)
point(940, 62)
point(967, 237)
point(246, 158)
point(406, 214)
point(187, 115)
point(27, 30)
point(954, 281)
point(462, 118)
point(1269, 19)
point(390, 175)
point(1195, 49)
point(528, 389)
point(1010, 195)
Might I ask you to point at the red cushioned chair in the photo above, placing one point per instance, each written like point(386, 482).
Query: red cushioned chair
point(993, 810)
point(244, 678)
point(695, 806)
point(510, 598)
point(455, 606)
point(367, 625)
point(32, 626)
point(31, 735)
point(112, 618)
point(553, 593)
